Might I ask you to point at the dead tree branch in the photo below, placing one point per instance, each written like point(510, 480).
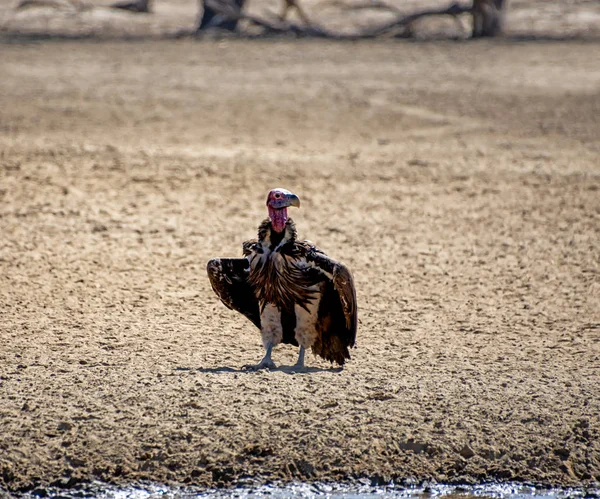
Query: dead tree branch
point(226, 14)
point(135, 6)
point(487, 16)
point(368, 5)
point(405, 21)
point(57, 4)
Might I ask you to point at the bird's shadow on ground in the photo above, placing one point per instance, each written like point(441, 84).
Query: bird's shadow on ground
point(283, 369)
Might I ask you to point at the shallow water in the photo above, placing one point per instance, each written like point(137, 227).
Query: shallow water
point(306, 491)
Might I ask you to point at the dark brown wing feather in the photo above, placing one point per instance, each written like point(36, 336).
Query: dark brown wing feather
point(229, 280)
point(338, 311)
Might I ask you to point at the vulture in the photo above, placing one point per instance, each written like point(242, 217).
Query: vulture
point(289, 289)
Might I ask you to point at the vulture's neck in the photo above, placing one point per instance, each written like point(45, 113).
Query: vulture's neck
point(278, 218)
point(269, 237)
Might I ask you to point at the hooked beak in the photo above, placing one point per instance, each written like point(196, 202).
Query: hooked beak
point(286, 200)
point(293, 200)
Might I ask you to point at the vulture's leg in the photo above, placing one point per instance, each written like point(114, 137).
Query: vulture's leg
point(299, 366)
point(266, 363)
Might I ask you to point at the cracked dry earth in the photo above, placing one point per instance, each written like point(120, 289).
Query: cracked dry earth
point(460, 183)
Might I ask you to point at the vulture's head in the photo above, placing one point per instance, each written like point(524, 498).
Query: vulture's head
point(278, 201)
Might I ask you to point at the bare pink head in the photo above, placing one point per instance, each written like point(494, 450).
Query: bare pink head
point(278, 202)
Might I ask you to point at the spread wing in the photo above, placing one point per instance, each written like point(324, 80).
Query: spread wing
point(344, 286)
point(229, 280)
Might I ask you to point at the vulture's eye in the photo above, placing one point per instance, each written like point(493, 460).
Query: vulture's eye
point(277, 196)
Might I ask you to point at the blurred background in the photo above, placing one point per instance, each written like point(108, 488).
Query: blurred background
point(522, 18)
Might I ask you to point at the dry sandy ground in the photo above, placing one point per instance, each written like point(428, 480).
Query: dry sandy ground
point(460, 182)
point(524, 18)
